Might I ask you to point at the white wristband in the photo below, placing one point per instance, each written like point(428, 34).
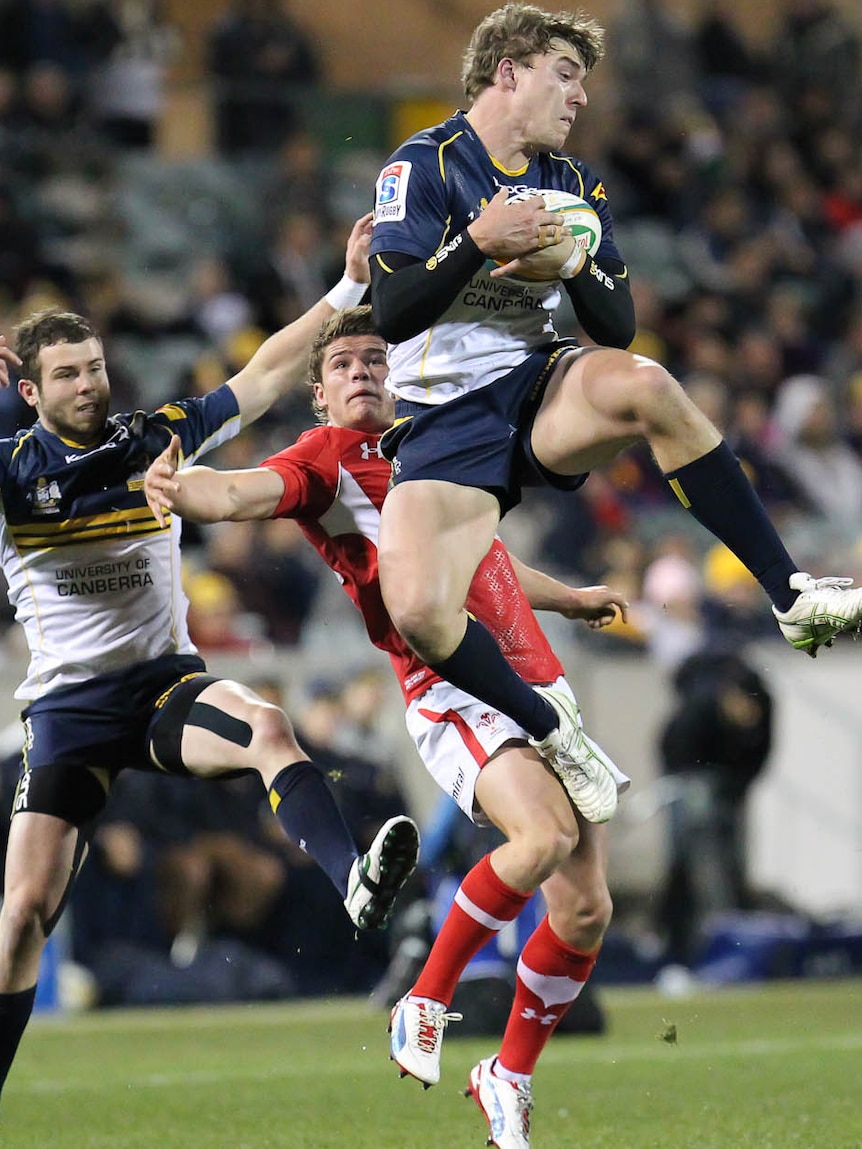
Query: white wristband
point(346, 293)
point(573, 264)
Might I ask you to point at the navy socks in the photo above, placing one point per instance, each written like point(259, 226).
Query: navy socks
point(716, 491)
point(306, 808)
point(479, 667)
point(15, 1010)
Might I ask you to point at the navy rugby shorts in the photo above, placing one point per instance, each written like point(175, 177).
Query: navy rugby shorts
point(481, 439)
point(103, 725)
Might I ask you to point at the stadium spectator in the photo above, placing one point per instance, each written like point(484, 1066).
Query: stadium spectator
point(260, 61)
point(816, 63)
point(713, 745)
point(125, 92)
point(813, 452)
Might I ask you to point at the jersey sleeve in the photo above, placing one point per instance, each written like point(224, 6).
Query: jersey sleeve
point(201, 423)
point(310, 475)
point(410, 208)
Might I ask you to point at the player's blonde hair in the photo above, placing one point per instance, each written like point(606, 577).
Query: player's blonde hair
point(519, 31)
point(44, 329)
point(350, 321)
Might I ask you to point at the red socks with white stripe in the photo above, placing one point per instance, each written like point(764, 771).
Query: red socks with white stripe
point(551, 974)
point(483, 905)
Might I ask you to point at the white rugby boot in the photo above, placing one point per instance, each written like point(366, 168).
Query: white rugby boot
point(589, 777)
point(507, 1106)
point(377, 875)
point(825, 607)
point(416, 1027)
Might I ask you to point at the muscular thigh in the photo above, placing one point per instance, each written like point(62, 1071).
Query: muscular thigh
point(588, 413)
point(217, 729)
point(521, 797)
point(40, 857)
point(433, 535)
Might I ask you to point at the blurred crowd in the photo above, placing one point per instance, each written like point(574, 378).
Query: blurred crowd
point(734, 171)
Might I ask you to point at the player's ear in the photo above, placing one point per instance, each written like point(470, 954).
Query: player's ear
point(506, 72)
point(319, 395)
point(29, 391)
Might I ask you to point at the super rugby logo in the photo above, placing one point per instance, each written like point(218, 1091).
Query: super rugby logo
point(391, 201)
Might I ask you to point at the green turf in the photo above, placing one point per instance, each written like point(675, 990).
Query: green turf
point(778, 1067)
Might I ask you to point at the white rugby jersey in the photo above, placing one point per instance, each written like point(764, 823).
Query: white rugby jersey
point(335, 481)
point(430, 189)
point(94, 580)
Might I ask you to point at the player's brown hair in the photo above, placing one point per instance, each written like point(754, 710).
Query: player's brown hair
point(519, 31)
point(350, 321)
point(44, 329)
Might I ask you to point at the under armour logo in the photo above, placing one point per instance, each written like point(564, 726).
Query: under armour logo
point(369, 449)
point(529, 1014)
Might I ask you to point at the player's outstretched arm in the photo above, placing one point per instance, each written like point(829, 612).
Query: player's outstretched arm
point(279, 365)
point(7, 358)
point(204, 495)
point(596, 605)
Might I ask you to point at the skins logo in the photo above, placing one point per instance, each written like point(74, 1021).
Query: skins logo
point(22, 792)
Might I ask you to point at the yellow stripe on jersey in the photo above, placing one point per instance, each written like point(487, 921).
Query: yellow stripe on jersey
point(570, 162)
point(440, 148)
point(172, 411)
point(676, 487)
point(91, 528)
point(508, 171)
point(21, 443)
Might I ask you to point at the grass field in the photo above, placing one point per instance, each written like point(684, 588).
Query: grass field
point(778, 1067)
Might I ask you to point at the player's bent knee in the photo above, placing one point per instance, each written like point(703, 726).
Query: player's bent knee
point(26, 922)
point(542, 850)
point(583, 923)
point(428, 628)
point(654, 388)
point(271, 729)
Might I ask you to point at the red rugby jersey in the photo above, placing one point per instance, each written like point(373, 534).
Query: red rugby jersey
point(335, 481)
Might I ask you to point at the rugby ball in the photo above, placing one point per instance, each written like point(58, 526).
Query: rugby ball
point(578, 217)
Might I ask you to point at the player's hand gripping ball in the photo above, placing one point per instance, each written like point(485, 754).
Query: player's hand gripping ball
point(582, 230)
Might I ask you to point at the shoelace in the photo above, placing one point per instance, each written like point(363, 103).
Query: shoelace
point(525, 1105)
point(524, 1102)
point(430, 1027)
point(830, 582)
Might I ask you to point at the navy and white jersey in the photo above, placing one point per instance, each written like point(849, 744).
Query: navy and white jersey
point(431, 188)
point(94, 580)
